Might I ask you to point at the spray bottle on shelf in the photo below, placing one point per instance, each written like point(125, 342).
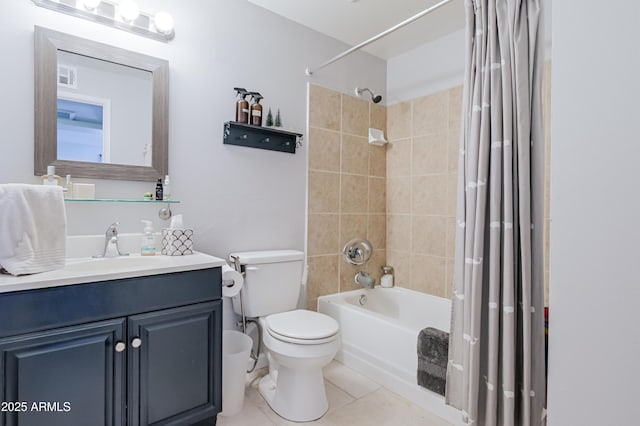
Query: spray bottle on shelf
point(242, 105)
point(256, 109)
point(148, 243)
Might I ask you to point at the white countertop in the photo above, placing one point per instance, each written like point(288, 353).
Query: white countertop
point(86, 270)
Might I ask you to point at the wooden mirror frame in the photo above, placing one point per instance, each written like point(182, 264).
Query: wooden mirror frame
point(47, 45)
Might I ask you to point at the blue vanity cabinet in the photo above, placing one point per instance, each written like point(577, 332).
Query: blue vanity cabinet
point(171, 376)
point(66, 376)
point(135, 351)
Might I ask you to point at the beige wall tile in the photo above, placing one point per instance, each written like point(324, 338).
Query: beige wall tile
point(455, 108)
point(401, 262)
point(399, 195)
point(429, 195)
point(399, 158)
point(347, 275)
point(324, 150)
point(428, 235)
point(451, 237)
point(378, 160)
point(324, 108)
point(355, 116)
point(399, 232)
point(377, 231)
point(312, 305)
point(428, 274)
point(324, 192)
point(431, 113)
point(448, 285)
point(452, 193)
point(355, 155)
point(323, 276)
point(352, 226)
point(429, 154)
point(354, 197)
point(374, 266)
point(378, 117)
point(377, 195)
point(453, 154)
point(399, 121)
point(323, 234)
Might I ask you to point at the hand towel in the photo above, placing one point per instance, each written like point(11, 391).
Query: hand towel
point(33, 228)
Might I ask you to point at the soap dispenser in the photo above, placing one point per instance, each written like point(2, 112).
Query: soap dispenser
point(148, 244)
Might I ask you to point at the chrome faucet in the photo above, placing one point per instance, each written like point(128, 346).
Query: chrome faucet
point(111, 242)
point(365, 280)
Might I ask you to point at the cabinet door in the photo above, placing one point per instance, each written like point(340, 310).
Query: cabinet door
point(175, 371)
point(70, 376)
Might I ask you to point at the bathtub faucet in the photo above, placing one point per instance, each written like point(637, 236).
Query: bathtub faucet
point(365, 280)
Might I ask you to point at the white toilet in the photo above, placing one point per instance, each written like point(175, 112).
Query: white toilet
point(299, 343)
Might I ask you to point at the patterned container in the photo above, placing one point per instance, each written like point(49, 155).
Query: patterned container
point(177, 241)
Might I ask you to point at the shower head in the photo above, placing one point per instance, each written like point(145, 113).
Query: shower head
point(374, 98)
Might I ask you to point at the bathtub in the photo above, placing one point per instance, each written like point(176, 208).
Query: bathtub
point(379, 332)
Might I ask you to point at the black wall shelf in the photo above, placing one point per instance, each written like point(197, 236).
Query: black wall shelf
point(261, 137)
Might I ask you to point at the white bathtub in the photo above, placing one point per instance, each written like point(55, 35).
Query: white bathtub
point(379, 338)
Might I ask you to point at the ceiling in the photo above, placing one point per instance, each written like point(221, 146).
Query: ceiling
point(354, 21)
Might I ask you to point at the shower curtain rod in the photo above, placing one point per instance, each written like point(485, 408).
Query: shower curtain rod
point(310, 71)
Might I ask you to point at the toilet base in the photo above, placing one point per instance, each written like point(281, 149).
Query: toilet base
point(296, 396)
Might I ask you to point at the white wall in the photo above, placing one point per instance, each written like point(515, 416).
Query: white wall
point(432, 67)
point(236, 198)
point(595, 268)
point(439, 65)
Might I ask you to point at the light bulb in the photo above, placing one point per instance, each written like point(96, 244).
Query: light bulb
point(90, 4)
point(129, 10)
point(164, 22)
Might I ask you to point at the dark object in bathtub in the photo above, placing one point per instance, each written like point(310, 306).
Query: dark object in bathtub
point(433, 352)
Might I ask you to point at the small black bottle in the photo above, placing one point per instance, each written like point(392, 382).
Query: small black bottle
point(159, 190)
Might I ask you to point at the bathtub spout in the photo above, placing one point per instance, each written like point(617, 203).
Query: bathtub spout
point(365, 280)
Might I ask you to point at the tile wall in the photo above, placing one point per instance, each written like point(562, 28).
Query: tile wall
point(422, 161)
point(402, 197)
point(347, 189)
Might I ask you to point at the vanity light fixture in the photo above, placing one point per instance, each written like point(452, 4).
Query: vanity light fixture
point(129, 10)
point(164, 22)
point(90, 4)
point(124, 15)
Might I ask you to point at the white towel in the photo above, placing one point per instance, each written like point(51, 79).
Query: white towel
point(33, 228)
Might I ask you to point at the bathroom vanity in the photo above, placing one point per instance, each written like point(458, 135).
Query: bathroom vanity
point(135, 347)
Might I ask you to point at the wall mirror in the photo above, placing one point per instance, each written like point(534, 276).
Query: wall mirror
point(100, 111)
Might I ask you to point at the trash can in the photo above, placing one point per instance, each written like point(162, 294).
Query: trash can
point(236, 347)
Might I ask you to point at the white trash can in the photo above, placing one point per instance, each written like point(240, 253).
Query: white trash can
point(236, 348)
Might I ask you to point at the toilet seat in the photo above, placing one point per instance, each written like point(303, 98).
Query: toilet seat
point(302, 327)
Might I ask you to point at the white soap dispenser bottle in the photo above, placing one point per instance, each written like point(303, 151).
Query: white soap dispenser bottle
point(148, 244)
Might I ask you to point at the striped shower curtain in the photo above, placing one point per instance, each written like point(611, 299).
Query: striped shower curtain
point(496, 370)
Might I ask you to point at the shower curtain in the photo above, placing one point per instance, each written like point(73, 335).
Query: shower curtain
point(496, 370)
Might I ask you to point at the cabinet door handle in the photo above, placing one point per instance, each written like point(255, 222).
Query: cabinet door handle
point(136, 342)
point(120, 347)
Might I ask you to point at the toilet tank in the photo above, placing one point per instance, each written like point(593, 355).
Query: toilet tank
point(272, 281)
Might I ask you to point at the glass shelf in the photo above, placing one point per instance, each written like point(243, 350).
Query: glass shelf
point(120, 200)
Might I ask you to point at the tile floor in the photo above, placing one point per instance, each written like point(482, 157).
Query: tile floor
point(354, 400)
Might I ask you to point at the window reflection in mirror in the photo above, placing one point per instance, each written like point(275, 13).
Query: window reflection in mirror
point(83, 129)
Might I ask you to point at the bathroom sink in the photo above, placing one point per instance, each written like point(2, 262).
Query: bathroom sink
point(89, 269)
point(115, 263)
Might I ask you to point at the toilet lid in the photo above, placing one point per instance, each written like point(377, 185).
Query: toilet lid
point(302, 325)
